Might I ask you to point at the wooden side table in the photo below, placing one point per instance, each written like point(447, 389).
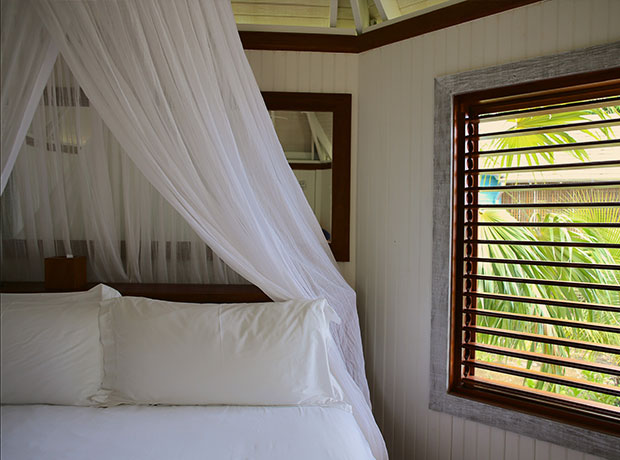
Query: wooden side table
point(65, 273)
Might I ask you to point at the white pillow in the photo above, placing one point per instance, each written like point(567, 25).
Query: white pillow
point(99, 292)
point(50, 347)
point(159, 352)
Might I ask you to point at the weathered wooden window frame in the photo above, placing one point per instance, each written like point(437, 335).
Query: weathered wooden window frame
point(576, 62)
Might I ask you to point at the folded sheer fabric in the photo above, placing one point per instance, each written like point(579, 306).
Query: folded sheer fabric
point(173, 85)
point(74, 190)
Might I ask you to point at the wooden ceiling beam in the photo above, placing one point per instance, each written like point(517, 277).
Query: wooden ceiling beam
point(441, 18)
point(286, 41)
point(360, 14)
point(458, 13)
point(333, 13)
point(388, 9)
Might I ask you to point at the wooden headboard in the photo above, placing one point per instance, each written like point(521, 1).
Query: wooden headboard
point(195, 293)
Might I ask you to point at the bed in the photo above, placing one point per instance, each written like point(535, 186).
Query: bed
point(143, 409)
point(180, 432)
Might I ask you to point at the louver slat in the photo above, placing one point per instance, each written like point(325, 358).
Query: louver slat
point(563, 185)
point(530, 397)
point(543, 320)
point(560, 283)
point(547, 148)
point(545, 377)
point(544, 301)
point(546, 129)
point(549, 110)
point(549, 359)
point(547, 263)
point(474, 330)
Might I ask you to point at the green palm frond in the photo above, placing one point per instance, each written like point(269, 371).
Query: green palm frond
point(582, 275)
point(565, 233)
point(544, 139)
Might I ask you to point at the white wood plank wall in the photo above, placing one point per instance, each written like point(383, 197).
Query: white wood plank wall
point(394, 214)
point(316, 73)
point(392, 228)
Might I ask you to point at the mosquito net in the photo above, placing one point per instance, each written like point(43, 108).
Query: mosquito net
point(171, 82)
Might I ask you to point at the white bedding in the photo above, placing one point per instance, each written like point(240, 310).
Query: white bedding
point(181, 432)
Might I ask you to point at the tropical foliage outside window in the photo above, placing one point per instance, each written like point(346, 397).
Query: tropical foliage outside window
point(536, 303)
point(609, 256)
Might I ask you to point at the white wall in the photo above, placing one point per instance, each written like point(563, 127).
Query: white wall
point(315, 73)
point(392, 177)
point(394, 214)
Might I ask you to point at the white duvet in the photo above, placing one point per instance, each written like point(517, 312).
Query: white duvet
point(181, 432)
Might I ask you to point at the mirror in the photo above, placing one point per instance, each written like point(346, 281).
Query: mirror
point(306, 138)
point(315, 132)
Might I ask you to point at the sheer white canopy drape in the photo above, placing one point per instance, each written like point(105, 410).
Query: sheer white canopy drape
point(73, 190)
point(172, 83)
point(26, 61)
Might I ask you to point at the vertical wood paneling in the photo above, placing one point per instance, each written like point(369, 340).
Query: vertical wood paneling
point(316, 72)
point(477, 44)
point(394, 232)
point(490, 44)
point(511, 449)
point(445, 437)
point(483, 443)
point(612, 18)
point(504, 46)
point(320, 73)
point(469, 446)
point(279, 79)
point(566, 25)
point(458, 439)
point(497, 443)
point(265, 79)
point(290, 72)
point(303, 72)
point(464, 45)
point(433, 49)
point(598, 16)
point(425, 188)
point(526, 448)
point(543, 450)
point(557, 452)
point(518, 34)
point(549, 35)
point(574, 455)
point(392, 165)
point(583, 13)
point(382, 162)
point(533, 27)
point(451, 59)
point(401, 318)
point(415, 52)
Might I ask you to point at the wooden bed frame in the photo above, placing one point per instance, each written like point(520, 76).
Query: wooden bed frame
point(195, 293)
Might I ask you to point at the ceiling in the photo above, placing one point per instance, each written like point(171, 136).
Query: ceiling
point(343, 17)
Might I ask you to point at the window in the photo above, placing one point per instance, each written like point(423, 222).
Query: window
point(527, 170)
point(536, 281)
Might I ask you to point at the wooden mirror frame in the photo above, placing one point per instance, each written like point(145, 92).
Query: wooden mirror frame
point(340, 106)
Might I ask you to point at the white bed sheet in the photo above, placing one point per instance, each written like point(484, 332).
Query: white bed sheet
point(181, 432)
